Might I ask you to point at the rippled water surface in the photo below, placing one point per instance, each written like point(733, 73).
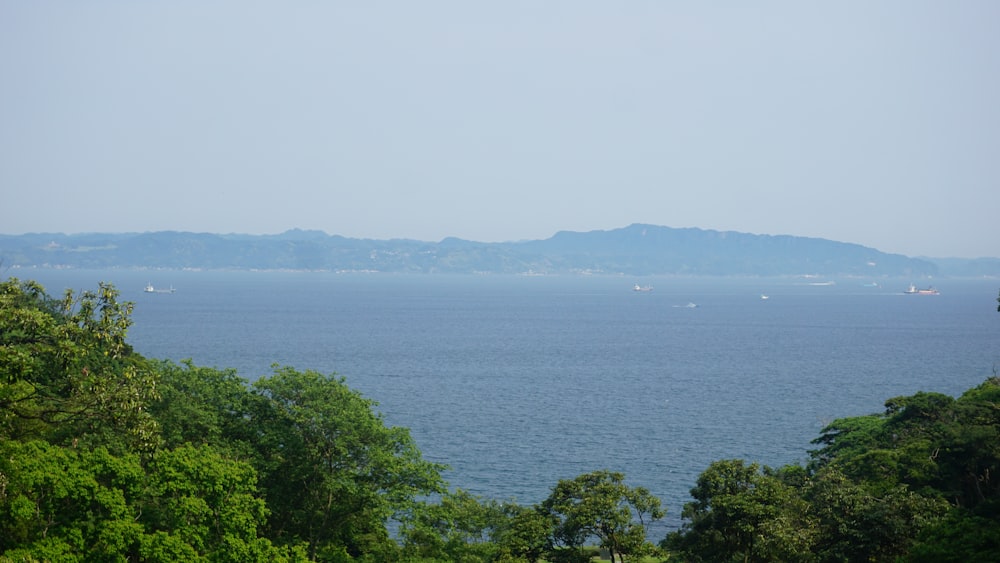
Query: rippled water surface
point(517, 382)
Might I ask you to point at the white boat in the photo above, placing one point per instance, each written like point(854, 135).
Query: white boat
point(642, 288)
point(764, 297)
point(150, 289)
point(912, 290)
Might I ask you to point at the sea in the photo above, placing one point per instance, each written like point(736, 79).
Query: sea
point(516, 382)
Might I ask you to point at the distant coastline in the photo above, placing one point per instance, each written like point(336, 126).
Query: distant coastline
point(635, 250)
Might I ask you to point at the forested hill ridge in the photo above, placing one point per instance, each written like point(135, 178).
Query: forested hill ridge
point(634, 250)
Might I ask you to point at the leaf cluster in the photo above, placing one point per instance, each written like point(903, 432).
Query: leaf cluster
point(893, 486)
point(593, 507)
point(107, 455)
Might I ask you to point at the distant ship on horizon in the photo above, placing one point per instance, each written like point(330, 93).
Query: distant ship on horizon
point(150, 289)
point(912, 290)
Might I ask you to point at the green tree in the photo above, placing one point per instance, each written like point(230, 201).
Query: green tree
point(742, 513)
point(932, 443)
point(459, 528)
point(525, 534)
point(855, 523)
point(883, 481)
point(969, 452)
point(66, 504)
point(599, 504)
point(200, 405)
point(332, 472)
point(204, 504)
point(848, 437)
point(888, 449)
point(66, 372)
point(959, 538)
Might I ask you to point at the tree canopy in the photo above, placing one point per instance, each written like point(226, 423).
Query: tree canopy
point(104, 451)
point(66, 372)
point(107, 455)
point(600, 505)
point(893, 486)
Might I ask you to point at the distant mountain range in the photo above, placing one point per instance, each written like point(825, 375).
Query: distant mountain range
point(634, 250)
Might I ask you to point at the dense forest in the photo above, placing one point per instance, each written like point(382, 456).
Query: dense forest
point(106, 455)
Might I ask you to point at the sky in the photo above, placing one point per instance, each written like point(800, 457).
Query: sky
point(876, 123)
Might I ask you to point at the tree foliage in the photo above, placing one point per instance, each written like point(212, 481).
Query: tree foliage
point(200, 405)
point(66, 501)
point(893, 486)
point(331, 470)
point(600, 505)
point(741, 513)
point(459, 527)
point(67, 374)
point(105, 452)
point(105, 455)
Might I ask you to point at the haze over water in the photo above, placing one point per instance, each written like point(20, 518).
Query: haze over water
point(517, 382)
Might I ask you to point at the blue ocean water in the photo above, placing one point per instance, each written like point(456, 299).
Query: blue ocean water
point(517, 382)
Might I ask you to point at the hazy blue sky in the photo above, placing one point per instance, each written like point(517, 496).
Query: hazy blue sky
point(876, 123)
